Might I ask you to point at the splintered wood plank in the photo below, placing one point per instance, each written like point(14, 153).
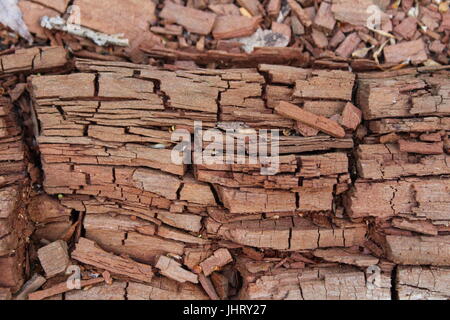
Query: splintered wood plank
point(118, 223)
point(195, 21)
point(318, 122)
point(86, 251)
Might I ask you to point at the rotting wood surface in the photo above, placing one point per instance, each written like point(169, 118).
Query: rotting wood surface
point(307, 232)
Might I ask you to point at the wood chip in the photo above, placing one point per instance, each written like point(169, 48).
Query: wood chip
point(349, 45)
point(173, 270)
point(219, 258)
point(54, 258)
point(306, 130)
point(318, 122)
point(86, 251)
point(351, 116)
point(409, 51)
point(407, 28)
point(324, 18)
point(195, 21)
point(227, 27)
point(301, 14)
point(98, 15)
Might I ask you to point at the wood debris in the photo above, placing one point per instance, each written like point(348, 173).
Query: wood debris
point(318, 122)
point(411, 51)
point(145, 227)
point(301, 14)
point(173, 270)
point(54, 258)
point(61, 288)
point(194, 20)
point(351, 116)
point(88, 252)
point(219, 258)
point(174, 30)
point(343, 256)
point(227, 27)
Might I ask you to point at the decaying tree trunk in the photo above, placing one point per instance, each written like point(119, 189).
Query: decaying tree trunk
point(14, 162)
point(13, 190)
point(345, 212)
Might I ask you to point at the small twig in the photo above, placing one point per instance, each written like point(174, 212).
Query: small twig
point(61, 288)
point(101, 39)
